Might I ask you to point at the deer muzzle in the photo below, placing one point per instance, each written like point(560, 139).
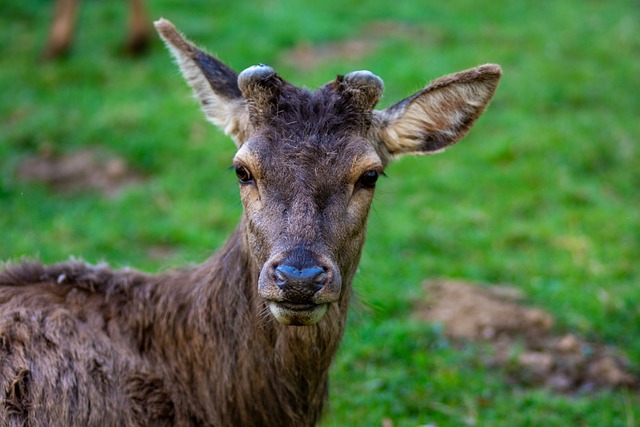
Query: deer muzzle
point(299, 285)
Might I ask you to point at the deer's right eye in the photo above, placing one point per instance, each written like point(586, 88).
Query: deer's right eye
point(243, 174)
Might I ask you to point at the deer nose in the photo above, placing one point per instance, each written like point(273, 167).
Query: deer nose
point(302, 282)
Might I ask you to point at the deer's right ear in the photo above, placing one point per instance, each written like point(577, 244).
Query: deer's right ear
point(214, 84)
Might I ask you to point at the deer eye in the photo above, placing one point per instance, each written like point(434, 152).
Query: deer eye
point(243, 174)
point(369, 178)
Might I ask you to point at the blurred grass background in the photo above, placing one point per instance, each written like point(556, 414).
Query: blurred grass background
point(543, 194)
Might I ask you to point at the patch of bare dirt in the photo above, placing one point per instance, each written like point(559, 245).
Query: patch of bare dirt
point(84, 170)
point(522, 340)
point(307, 56)
point(161, 252)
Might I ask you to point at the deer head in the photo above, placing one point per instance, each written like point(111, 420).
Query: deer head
point(307, 163)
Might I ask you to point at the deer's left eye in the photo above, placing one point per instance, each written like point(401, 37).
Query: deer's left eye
point(369, 178)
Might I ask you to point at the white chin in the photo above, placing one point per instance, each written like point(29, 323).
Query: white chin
point(291, 315)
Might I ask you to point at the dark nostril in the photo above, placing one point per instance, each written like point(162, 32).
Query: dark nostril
point(287, 275)
point(320, 278)
point(281, 277)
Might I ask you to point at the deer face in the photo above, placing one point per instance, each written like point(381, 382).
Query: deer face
point(308, 162)
point(307, 172)
point(305, 217)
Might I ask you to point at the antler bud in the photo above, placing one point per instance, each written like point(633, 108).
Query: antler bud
point(256, 78)
point(260, 86)
point(365, 87)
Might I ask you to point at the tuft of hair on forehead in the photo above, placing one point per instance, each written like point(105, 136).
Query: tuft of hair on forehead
point(298, 112)
point(272, 101)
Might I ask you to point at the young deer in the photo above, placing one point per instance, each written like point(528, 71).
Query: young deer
point(247, 338)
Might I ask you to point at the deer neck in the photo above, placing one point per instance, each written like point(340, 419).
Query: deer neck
point(283, 367)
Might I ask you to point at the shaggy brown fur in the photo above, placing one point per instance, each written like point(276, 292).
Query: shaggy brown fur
point(85, 345)
point(215, 344)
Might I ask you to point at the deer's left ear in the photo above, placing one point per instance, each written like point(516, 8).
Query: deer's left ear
point(437, 116)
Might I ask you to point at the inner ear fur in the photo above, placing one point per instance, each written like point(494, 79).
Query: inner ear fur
point(437, 116)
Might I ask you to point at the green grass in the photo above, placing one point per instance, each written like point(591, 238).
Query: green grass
point(543, 193)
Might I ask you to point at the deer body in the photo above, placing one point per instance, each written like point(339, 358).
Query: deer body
point(247, 338)
point(98, 347)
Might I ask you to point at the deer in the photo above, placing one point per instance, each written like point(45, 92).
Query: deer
point(246, 338)
point(64, 17)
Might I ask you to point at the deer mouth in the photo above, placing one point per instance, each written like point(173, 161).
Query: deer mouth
point(298, 285)
point(294, 314)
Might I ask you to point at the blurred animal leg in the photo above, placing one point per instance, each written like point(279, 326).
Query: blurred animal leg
point(139, 29)
point(61, 33)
